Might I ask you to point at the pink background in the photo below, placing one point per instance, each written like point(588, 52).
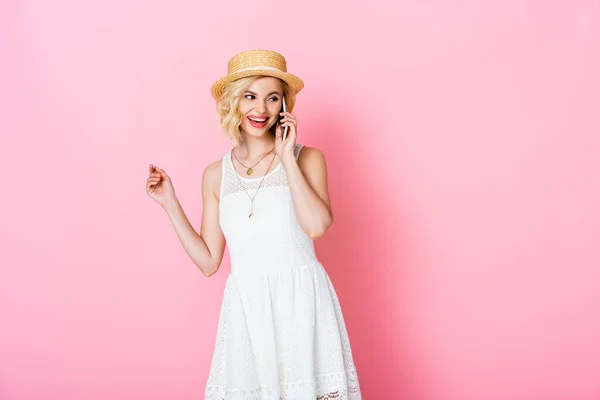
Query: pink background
point(462, 140)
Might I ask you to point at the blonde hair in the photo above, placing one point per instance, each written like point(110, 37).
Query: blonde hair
point(228, 114)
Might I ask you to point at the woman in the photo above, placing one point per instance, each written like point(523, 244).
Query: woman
point(281, 333)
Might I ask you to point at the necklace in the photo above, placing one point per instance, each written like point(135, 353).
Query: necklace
point(250, 170)
point(251, 216)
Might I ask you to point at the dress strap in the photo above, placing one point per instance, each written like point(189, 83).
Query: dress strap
point(297, 150)
point(225, 164)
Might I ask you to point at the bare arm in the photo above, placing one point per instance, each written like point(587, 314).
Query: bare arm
point(205, 249)
point(307, 179)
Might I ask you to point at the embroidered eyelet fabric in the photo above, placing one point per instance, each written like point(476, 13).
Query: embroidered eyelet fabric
point(281, 333)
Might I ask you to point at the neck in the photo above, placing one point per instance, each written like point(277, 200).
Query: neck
point(255, 147)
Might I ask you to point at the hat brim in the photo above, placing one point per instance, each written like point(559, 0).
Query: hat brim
point(217, 88)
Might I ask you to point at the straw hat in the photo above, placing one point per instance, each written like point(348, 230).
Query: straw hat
point(256, 62)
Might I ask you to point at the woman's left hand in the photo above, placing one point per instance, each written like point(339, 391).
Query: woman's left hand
point(285, 148)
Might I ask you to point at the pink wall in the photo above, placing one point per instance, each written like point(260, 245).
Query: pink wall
point(462, 140)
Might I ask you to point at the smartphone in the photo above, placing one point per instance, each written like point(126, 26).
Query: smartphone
point(283, 109)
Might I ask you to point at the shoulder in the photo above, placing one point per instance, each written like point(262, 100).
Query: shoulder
point(213, 169)
point(311, 157)
point(211, 177)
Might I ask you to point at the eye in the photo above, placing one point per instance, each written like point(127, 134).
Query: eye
point(251, 96)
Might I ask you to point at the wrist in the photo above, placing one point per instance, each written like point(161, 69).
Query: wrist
point(288, 160)
point(171, 204)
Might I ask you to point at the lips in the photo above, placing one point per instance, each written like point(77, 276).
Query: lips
point(262, 121)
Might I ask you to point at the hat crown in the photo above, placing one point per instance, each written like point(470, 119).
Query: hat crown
point(256, 62)
point(253, 59)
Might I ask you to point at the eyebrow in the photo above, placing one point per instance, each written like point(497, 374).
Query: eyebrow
point(251, 92)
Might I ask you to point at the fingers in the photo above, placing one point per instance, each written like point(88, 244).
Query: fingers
point(150, 186)
point(152, 183)
point(289, 118)
point(287, 114)
point(290, 122)
point(155, 177)
point(162, 173)
point(278, 133)
point(291, 129)
point(155, 171)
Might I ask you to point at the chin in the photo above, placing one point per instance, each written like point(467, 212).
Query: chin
point(257, 132)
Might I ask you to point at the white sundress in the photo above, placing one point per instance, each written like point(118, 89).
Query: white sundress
point(281, 333)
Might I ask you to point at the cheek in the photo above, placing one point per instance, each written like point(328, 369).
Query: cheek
point(274, 108)
point(243, 107)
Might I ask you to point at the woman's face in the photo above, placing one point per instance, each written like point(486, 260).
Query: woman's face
point(261, 102)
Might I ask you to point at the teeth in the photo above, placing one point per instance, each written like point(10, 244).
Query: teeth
point(258, 120)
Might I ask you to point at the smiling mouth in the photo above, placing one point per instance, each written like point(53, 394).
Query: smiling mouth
point(258, 123)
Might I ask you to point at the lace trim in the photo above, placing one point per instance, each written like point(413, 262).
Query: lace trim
point(297, 150)
point(338, 394)
point(339, 386)
point(231, 184)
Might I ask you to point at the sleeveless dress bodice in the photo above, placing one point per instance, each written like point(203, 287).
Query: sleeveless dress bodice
point(281, 333)
point(270, 241)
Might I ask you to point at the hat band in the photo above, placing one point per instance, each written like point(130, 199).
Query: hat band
point(258, 67)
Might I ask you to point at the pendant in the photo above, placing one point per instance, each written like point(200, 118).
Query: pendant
point(250, 171)
point(251, 216)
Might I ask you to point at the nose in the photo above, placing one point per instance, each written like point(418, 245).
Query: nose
point(261, 107)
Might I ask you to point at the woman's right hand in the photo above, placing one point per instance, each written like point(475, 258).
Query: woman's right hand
point(159, 186)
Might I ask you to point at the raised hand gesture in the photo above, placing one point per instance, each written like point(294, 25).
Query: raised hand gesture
point(159, 186)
